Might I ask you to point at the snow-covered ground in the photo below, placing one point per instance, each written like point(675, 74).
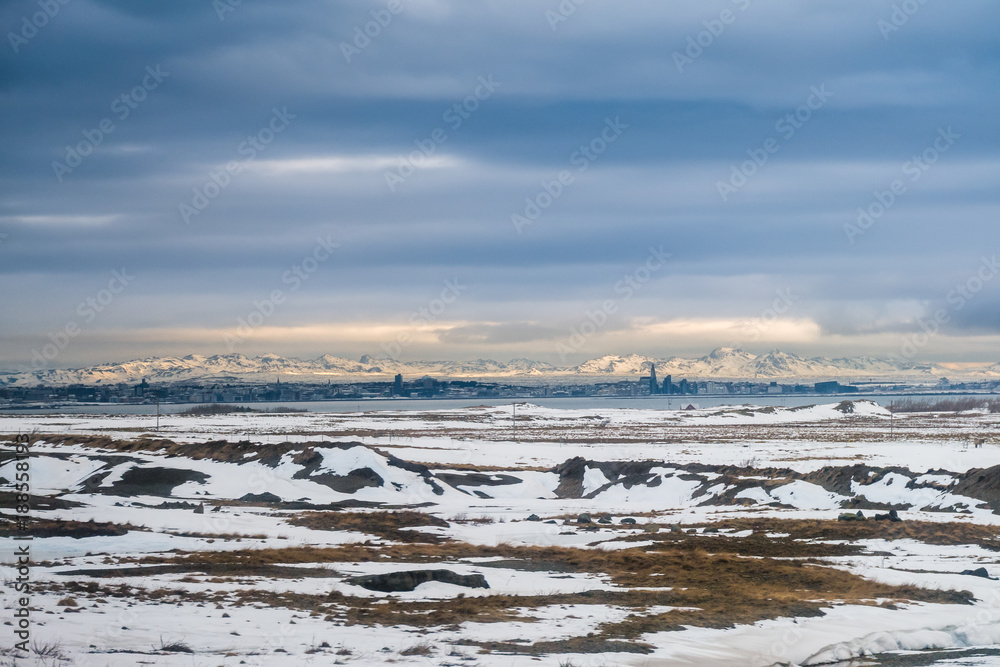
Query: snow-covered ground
point(480, 476)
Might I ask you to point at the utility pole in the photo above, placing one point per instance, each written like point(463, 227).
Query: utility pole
point(157, 412)
point(513, 419)
point(892, 417)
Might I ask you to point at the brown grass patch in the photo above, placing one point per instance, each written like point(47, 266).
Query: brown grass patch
point(929, 532)
point(723, 589)
point(755, 545)
point(716, 591)
point(234, 569)
point(423, 648)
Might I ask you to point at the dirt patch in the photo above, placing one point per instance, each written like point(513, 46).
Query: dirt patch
point(266, 498)
point(211, 569)
point(859, 502)
point(58, 528)
point(625, 473)
point(836, 479)
point(409, 580)
point(839, 479)
point(735, 485)
point(476, 479)
point(9, 499)
point(387, 525)
point(352, 482)
point(152, 481)
point(571, 477)
point(575, 645)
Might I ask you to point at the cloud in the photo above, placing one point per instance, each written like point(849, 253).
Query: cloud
point(336, 164)
point(326, 174)
point(491, 333)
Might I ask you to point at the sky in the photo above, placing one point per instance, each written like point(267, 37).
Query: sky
point(438, 179)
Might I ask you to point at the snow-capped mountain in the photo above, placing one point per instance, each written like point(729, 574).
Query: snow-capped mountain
point(613, 364)
point(722, 363)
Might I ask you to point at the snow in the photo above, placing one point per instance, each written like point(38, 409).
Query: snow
point(801, 440)
point(755, 494)
point(805, 495)
point(911, 640)
point(593, 479)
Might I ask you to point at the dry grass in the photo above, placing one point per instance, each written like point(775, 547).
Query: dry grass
point(222, 571)
point(712, 590)
point(173, 646)
point(756, 545)
point(724, 589)
point(961, 404)
point(929, 532)
point(423, 648)
point(51, 650)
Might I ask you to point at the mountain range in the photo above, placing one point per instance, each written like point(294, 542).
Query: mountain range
point(723, 363)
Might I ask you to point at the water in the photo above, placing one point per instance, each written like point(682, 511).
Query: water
point(568, 403)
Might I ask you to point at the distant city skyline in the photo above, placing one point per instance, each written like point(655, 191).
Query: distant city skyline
point(720, 363)
point(446, 180)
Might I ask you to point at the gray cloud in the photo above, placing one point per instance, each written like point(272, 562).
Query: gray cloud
point(324, 175)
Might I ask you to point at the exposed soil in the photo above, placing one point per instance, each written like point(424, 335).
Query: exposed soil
point(9, 499)
point(59, 528)
point(387, 525)
point(409, 580)
point(143, 481)
point(981, 484)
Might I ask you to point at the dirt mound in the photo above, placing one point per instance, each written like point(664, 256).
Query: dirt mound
point(735, 485)
point(859, 502)
point(615, 470)
point(223, 451)
point(306, 454)
point(570, 477)
point(417, 468)
point(632, 473)
point(141, 444)
point(266, 497)
point(981, 484)
point(838, 479)
point(396, 582)
point(169, 505)
point(626, 473)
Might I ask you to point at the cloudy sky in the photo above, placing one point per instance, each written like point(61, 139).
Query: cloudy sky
point(431, 179)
